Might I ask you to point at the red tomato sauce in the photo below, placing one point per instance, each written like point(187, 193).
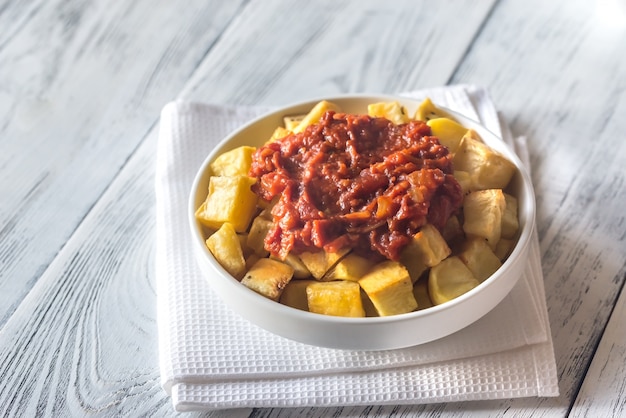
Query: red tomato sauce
point(355, 181)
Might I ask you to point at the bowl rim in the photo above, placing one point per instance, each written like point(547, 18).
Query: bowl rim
point(523, 240)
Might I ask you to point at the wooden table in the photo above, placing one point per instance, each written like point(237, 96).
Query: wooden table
point(81, 87)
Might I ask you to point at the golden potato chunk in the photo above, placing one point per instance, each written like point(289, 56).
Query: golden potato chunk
point(464, 179)
point(483, 212)
point(266, 208)
point(510, 222)
point(504, 248)
point(478, 256)
point(268, 277)
point(320, 262)
point(352, 267)
point(390, 288)
point(291, 122)
point(472, 134)
point(450, 279)
point(393, 111)
point(431, 244)
point(448, 131)
point(294, 294)
point(278, 133)
point(251, 260)
point(453, 231)
point(235, 162)
point(256, 236)
point(243, 239)
point(420, 291)
point(427, 111)
point(299, 269)
point(230, 199)
point(315, 114)
point(426, 249)
point(368, 306)
point(338, 298)
point(225, 246)
point(488, 169)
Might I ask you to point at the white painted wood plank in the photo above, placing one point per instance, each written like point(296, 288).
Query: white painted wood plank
point(81, 83)
point(603, 393)
point(276, 53)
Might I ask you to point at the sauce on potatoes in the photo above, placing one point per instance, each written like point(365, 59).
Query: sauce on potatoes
point(355, 181)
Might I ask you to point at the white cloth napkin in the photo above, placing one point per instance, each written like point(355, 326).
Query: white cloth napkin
point(210, 358)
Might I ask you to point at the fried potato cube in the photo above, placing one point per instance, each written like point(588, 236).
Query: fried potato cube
point(450, 279)
point(299, 269)
point(278, 133)
point(472, 134)
point(504, 248)
point(420, 291)
point(225, 246)
point(256, 236)
point(266, 207)
point(235, 162)
point(393, 111)
point(337, 298)
point(251, 260)
point(268, 277)
point(368, 306)
point(320, 262)
point(315, 114)
point(352, 267)
point(414, 265)
point(390, 288)
point(427, 111)
point(294, 294)
point(432, 245)
point(291, 122)
point(488, 169)
point(510, 222)
point(230, 199)
point(478, 256)
point(483, 212)
point(426, 249)
point(453, 231)
point(243, 241)
point(464, 179)
point(448, 131)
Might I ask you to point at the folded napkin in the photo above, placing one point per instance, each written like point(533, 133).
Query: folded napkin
point(210, 358)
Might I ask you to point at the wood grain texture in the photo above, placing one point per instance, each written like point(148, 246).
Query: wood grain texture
point(84, 340)
point(326, 47)
point(70, 319)
point(80, 87)
point(603, 393)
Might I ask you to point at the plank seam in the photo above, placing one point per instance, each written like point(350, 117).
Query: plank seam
point(478, 32)
point(576, 392)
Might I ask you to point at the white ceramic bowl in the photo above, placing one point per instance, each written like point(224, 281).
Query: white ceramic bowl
point(379, 333)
